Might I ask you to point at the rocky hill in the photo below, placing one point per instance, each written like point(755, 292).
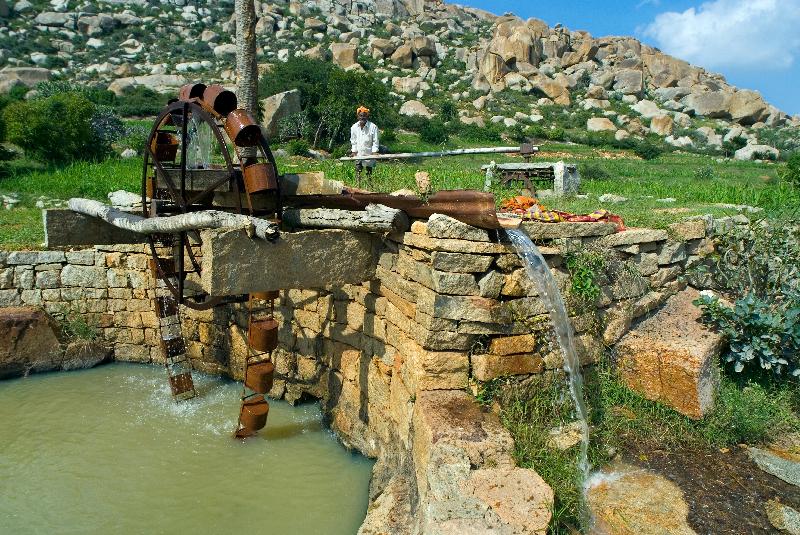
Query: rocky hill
point(499, 69)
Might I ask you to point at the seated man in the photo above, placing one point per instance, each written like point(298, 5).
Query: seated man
point(363, 142)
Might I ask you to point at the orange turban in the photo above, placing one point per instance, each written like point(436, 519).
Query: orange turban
point(362, 109)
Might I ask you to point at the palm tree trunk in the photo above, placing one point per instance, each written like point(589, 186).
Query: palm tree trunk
point(246, 67)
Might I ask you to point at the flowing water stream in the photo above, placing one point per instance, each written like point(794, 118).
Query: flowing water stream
point(106, 450)
point(540, 275)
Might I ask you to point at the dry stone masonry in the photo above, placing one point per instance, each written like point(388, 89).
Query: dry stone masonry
point(393, 358)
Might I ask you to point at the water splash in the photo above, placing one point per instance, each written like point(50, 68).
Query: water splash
point(198, 151)
point(539, 274)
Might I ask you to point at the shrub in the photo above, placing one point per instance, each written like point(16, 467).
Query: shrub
point(434, 132)
point(472, 132)
point(556, 134)
point(107, 126)
point(593, 171)
point(389, 135)
point(791, 171)
point(758, 267)
point(298, 147)
point(705, 173)
point(448, 111)
point(647, 150)
point(140, 101)
point(56, 129)
point(135, 137)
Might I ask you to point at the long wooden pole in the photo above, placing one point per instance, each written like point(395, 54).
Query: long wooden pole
point(455, 152)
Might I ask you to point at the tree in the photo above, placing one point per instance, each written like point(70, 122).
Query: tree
point(246, 67)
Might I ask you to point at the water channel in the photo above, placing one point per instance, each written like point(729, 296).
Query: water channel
point(106, 450)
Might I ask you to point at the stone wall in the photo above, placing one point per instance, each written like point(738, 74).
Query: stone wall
point(393, 359)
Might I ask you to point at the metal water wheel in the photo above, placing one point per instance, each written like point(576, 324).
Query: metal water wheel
point(243, 179)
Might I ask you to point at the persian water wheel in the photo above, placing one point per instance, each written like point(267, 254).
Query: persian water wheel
point(183, 173)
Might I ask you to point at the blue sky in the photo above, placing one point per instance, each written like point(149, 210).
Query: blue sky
point(755, 44)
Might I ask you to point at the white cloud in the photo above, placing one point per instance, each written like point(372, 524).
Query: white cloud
point(738, 34)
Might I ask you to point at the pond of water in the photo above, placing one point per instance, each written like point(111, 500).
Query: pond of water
point(106, 450)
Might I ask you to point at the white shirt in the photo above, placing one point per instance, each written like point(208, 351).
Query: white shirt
point(364, 141)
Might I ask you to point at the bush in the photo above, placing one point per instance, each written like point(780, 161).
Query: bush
point(140, 101)
point(298, 147)
point(758, 267)
point(135, 137)
point(791, 171)
point(556, 134)
point(56, 129)
point(434, 132)
point(705, 173)
point(388, 135)
point(647, 150)
point(448, 111)
point(593, 171)
point(480, 134)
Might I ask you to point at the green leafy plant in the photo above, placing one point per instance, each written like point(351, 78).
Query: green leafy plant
point(758, 331)
point(56, 129)
point(298, 147)
point(791, 171)
point(75, 326)
point(647, 150)
point(758, 267)
point(585, 268)
point(705, 173)
point(434, 132)
point(593, 171)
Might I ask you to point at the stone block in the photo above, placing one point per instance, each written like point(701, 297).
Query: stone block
point(84, 276)
point(488, 367)
point(692, 229)
point(491, 284)
point(460, 262)
point(665, 275)
point(24, 277)
point(455, 246)
point(7, 278)
point(455, 283)
point(28, 342)
point(510, 345)
point(422, 369)
point(442, 226)
point(66, 228)
point(549, 231)
point(31, 297)
point(633, 236)
point(671, 357)
point(233, 263)
point(10, 298)
point(671, 252)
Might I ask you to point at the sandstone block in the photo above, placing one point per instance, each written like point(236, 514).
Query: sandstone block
point(455, 283)
point(510, 345)
point(633, 236)
point(672, 358)
point(442, 226)
point(549, 231)
point(84, 276)
point(488, 367)
point(460, 262)
point(28, 342)
point(688, 230)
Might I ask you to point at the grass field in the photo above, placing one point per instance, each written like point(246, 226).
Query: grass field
point(697, 183)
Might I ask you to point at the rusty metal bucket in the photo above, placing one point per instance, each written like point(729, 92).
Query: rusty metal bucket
point(266, 296)
point(242, 128)
point(254, 414)
point(260, 376)
point(165, 146)
point(260, 177)
point(262, 335)
point(174, 346)
point(181, 383)
point(166, 306)
point(220, 99)
point(190, 91)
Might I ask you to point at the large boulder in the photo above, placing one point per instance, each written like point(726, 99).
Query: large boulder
point(672, 357)
point(344, 54)
point(600, 124)
point(415, 108)
point(555, 91)
point(403, 57)
point(715, 104)
point(162, 83)
point(748, 107)
point(28, 342)
point(629, 82)
point(663, 70)
point(585, 52)
point(423, 46)
point(11, 77)
point(278, 107)
point(663, 125)
point(751, 152)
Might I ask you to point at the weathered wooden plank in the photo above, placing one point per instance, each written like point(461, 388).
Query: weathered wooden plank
point(64, 228)
point(235, 264)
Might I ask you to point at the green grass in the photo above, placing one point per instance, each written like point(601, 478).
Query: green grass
point(642, 182)
point(746, 412)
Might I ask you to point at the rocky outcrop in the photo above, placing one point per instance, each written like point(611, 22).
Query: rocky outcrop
point(28, 342)
point(625, 500)
point(276, 108)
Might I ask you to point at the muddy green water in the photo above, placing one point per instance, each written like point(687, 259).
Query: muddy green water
point(107, 451)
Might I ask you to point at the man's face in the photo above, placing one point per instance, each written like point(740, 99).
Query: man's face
point(362, 118)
